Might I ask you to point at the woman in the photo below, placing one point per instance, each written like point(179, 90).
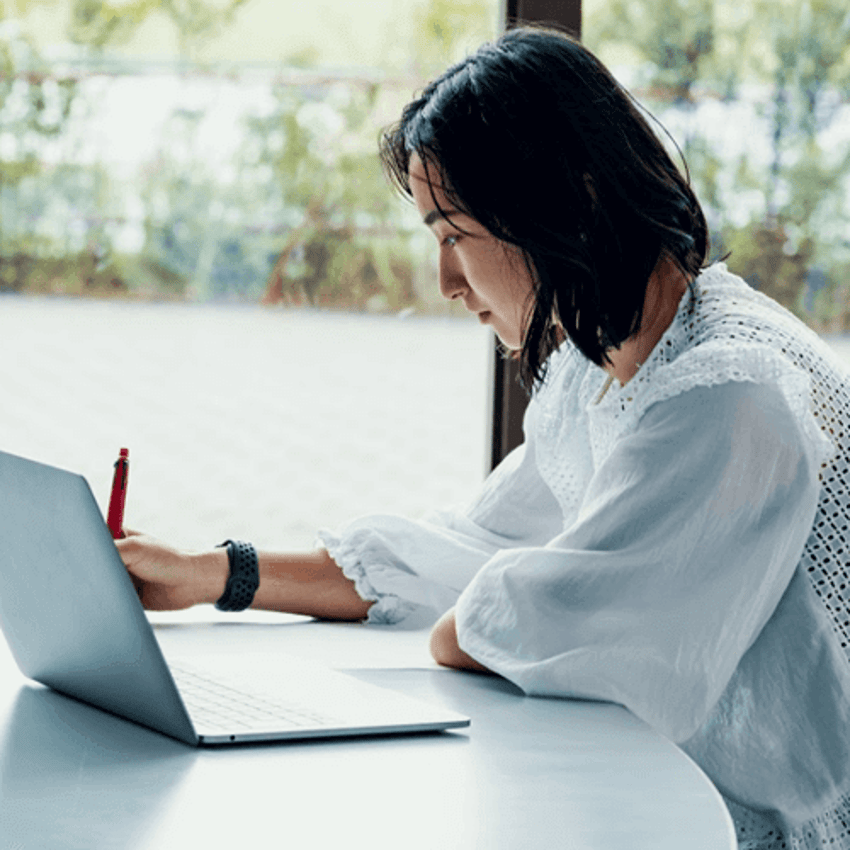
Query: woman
point(673, 533)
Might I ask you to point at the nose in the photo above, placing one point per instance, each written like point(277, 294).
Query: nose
point(451, 278)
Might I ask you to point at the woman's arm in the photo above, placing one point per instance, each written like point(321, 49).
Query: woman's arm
point(445, 649)
point(169, 579)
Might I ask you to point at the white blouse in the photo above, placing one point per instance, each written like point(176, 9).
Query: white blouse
point(678, 545)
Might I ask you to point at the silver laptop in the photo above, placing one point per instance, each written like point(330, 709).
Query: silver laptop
point(73, 621)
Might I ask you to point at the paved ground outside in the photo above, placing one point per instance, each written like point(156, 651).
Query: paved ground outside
point(243, 421)
point(248, 422)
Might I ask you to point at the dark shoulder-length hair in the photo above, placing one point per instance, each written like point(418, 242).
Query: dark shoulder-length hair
point(534, 139)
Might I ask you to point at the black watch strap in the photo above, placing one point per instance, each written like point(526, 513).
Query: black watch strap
point(244, 577)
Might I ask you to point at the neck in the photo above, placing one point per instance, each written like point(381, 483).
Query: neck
point(667, 284)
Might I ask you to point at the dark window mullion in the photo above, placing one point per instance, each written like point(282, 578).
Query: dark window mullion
point(565, 13)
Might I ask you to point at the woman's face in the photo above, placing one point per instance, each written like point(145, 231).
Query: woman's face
point(488, 275)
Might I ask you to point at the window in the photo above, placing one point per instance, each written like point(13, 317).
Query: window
point(166, 167)
point(757, 100)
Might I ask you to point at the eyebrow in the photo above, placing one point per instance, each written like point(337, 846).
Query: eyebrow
point(430, 217)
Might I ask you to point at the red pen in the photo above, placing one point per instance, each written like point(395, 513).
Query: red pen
point(115, 516)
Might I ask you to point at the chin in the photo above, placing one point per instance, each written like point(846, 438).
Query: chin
point(511, 338)
point(512, 346)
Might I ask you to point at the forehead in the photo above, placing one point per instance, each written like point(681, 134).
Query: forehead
point(426, 186)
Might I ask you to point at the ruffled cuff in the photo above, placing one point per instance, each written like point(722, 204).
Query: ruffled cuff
point(389, 608)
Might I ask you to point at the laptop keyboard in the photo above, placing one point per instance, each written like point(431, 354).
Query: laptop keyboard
point(215, 704)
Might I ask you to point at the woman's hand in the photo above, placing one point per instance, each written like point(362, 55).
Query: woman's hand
point(445, 649)
point(168, 579)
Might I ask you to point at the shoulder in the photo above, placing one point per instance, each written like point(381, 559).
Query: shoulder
point(727, 333)
point(723, 311)
point(750, 417)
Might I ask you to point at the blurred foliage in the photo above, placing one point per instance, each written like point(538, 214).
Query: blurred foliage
point(446, 29)
point(98, 23)
point(326, 229)
point(676, 38)
point(349, 245)
point(302, 215)
point(306, 218)
point(81, 274)
point(790, 60)
point(34, 106)
point(345, 245)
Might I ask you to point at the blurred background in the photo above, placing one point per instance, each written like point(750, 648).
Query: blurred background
point(200, 258)
point(756, 94)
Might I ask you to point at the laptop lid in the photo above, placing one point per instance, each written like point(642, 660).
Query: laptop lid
point(68, 608)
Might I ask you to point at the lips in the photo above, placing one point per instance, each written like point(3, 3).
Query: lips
point(483, 316)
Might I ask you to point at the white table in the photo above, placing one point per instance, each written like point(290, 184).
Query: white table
point(528, 773)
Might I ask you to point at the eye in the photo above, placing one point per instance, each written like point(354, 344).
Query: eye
point(451, 241)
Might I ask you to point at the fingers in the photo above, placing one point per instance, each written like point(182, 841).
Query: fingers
point(137, 552)
point(132, 541)
point(125, 545)
point(138, 585)
point(156, 572)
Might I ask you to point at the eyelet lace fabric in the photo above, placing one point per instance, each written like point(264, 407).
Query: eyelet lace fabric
point(725, 331)
point(758, 831)
point(569, 383)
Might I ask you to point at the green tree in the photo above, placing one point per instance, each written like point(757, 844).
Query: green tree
point(311, 167)
point(794, 55)
point(344, 246)
point(99, 23)
point(675, 37)
point(444, 29)
point(34, 106)
point(804, 61)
